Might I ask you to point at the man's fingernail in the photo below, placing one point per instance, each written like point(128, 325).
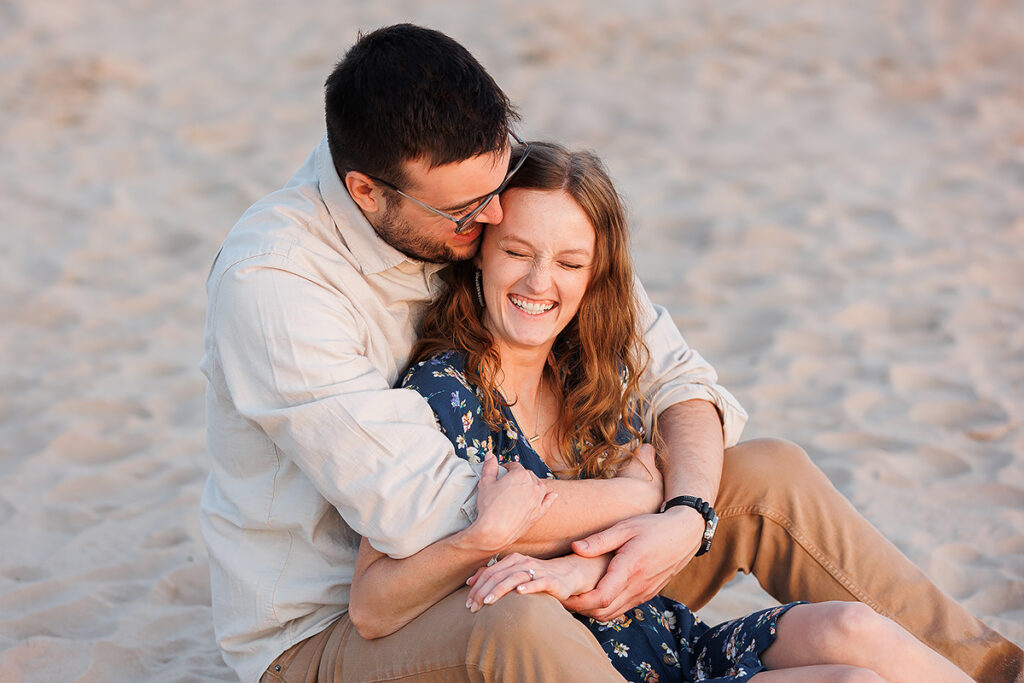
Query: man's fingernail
point(583, 545)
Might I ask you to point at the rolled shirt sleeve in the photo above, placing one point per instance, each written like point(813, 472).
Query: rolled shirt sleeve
point(677, 373)
point(301, 373)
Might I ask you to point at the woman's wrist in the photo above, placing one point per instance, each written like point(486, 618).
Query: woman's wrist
point(584, 572)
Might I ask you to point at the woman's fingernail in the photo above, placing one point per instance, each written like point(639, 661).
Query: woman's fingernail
point(469, 604)
point(583, 545)
point(489, 599)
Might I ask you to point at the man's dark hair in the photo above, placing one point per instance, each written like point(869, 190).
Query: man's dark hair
point(405, 92)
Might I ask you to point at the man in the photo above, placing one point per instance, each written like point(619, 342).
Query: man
point(313, 303)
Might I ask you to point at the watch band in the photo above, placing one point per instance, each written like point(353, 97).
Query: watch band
point(705, 510)
point(698, 504)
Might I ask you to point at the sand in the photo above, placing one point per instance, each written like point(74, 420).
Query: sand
point(828, 197)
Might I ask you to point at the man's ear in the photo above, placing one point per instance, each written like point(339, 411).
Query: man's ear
point(362, 191)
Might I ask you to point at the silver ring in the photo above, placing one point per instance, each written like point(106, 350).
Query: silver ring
point(530, 572)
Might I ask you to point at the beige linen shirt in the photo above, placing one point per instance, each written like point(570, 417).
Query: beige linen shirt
point(310, 322)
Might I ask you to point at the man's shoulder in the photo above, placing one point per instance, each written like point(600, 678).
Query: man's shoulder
point(281, 222)
point(290, 231)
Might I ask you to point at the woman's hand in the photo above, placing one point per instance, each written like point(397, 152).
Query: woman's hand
point(561, 577)
point(643, 468)
point(506, 507)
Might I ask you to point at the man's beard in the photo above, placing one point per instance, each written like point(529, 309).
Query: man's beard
point(397, 232)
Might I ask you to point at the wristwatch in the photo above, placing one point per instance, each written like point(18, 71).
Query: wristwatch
point(705, 510)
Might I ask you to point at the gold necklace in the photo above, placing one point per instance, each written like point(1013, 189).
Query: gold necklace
point(536, 421)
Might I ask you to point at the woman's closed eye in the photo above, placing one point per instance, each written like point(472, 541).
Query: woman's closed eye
point(516, 254)
point(569, 265)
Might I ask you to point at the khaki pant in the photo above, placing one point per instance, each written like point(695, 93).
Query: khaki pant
point(780, 519)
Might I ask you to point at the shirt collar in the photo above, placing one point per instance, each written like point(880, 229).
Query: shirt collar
point(373, 254)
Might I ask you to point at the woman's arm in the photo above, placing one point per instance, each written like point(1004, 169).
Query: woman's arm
point(587, 506)
point(386, 593)
point(562, 577)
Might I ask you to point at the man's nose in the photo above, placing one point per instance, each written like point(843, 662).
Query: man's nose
point(492, 213)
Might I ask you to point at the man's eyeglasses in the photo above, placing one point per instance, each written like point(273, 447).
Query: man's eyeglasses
point(464, 223)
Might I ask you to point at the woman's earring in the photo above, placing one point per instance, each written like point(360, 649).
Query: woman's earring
point(478, 279)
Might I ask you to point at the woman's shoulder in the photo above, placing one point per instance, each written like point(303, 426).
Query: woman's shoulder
point(445, 367)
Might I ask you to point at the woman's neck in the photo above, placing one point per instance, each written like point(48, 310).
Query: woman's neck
point(522, 370)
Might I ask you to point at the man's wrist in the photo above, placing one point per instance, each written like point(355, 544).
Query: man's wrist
point(685, 515)
point(704, 510)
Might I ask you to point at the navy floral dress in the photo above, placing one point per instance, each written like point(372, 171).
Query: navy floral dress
point(658, 640)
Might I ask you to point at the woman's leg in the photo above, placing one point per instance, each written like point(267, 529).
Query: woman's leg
point(782, 520)
point(853, 634)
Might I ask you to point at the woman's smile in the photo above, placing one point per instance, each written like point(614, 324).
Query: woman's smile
point(531, 306)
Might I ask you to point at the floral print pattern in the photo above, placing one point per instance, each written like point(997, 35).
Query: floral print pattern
point(655, 642)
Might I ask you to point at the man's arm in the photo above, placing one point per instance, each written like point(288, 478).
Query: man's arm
point(689, 434)
point(651, 549)
point(293, 355)
point(699, 419)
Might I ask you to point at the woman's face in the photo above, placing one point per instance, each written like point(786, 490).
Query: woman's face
point(536, 265)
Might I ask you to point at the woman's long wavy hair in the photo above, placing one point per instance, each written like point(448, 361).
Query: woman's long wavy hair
point(596, 361)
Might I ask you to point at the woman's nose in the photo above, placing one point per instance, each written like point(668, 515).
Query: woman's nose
point(539, 277)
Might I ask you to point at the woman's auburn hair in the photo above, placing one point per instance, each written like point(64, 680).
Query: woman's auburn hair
point(597, 360)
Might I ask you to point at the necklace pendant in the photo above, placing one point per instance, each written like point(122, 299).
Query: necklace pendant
point(533, 438)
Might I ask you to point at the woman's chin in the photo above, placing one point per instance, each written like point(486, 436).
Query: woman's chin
point(529, 340)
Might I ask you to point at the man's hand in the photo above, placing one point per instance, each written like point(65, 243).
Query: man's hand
point(649, 551)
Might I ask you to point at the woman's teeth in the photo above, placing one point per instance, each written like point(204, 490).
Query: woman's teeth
point(529, 306)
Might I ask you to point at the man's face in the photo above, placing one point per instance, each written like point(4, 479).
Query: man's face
point(453, 188)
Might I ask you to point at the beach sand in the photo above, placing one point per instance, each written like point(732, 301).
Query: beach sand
point(828, 197)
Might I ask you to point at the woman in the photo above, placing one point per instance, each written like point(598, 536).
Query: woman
point(533, 357)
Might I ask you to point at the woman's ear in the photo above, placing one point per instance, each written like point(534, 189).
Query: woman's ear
point(363, 191)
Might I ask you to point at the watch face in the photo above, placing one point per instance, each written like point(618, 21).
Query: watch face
point(709, 530)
